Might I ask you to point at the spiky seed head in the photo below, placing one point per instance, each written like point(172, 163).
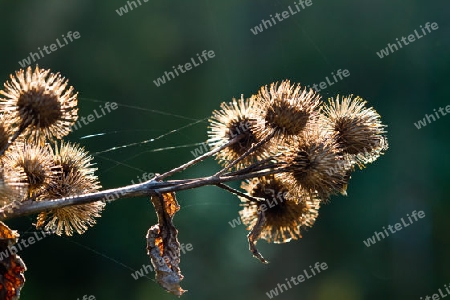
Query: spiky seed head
point(76, 177)
point(234, 119)
point(358, 130)
point(41, 103)
point(30, 164)
point(286, 109)
point(283, 215)
point(315, 166)
point(68, 219)
point(74, 159)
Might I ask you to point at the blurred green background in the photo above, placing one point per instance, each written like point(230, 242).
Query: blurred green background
point(118, 57)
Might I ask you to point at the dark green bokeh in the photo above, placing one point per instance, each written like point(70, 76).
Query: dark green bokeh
point(116, 60)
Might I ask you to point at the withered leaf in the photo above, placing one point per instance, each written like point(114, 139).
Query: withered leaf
point(163, 246)
point(11, 265)
point(254, 235)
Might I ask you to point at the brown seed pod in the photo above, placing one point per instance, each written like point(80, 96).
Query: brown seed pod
point(286, 110)
point(315, 166)
point(357, 129)
point(234, 119)
point(68, 219)
point(30, 165)
point(75, 178)
point(39, 103)
point(283, 215)
point(74, 159)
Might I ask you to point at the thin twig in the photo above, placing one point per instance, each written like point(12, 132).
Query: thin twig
point(247, 153)
point(198, 159)
point(153, 186)
point(214, 180)
point(254, 235)
point(143, 189)
point(236, 192)
point(258, 166)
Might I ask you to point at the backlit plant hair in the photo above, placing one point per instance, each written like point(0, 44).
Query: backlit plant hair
point(286, 110)
point(39, 104)
point(290, 151)
point(358, 130)
point(236, 119)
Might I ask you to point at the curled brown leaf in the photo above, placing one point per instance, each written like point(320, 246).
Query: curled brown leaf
point(163, 246)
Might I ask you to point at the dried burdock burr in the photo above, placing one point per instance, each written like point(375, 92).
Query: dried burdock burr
point(358, 129)
point(284, 215)
point(39, 104)
point(76, 177)
point(235, 119)
point(291, 152)
point(286, 110)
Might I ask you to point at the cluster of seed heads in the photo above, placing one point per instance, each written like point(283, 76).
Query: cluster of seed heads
point(37, 109)
point(313, 146)
point(292, 150)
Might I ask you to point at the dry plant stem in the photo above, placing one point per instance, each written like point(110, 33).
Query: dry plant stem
point(236, 192)
point(143, 189)
point(198, 159)
point(153, 186)
point(258, 166)
point(247, 153)
point(214, 180)
point(254, 235)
